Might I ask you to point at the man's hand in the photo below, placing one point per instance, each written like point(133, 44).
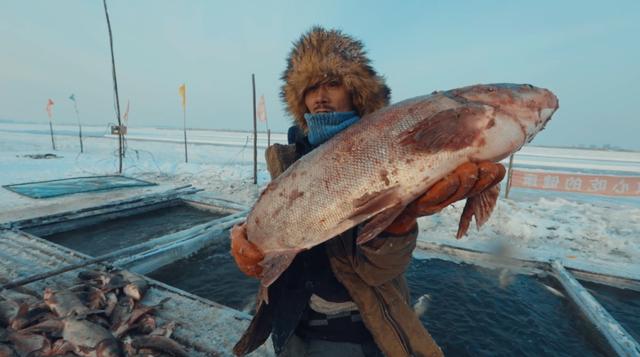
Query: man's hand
point(245, 253)
point(465, 181)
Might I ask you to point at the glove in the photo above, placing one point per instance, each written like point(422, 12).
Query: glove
point(467, 180)
point(245, 253)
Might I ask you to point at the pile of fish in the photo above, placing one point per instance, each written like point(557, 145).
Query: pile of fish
point(100, 316)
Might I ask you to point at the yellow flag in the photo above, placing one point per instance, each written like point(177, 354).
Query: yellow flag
point(182, 90)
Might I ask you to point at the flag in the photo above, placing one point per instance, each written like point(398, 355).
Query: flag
point(125, 117)
point(261, 110)
point(182, 90)
point(72, 97)
point(50, 108)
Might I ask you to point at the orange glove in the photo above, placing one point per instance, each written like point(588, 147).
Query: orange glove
point(467, 180)
point(245, 253)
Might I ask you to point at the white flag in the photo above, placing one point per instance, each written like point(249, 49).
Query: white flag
point(125, 117)
point(261, 111)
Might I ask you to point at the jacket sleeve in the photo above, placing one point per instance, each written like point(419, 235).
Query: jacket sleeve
point(384, 258)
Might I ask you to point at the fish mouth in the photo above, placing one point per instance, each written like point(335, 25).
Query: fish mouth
point(546, 113)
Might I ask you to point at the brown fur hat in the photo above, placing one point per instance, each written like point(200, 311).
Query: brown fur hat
point(320, 56)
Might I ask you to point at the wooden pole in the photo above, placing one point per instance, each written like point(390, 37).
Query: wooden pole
point(184, 125)
point(53, 143)
point(75, 106)
point(115, 88)
point(80, 133)
point(255, 133)
point(509, 175)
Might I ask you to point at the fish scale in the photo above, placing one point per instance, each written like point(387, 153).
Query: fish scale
point(372, 170)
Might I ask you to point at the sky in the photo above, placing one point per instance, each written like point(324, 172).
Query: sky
point(586, 52)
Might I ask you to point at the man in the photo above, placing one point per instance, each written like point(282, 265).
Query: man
point(338, 298)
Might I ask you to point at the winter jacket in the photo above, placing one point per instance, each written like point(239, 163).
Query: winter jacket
point(372, 273)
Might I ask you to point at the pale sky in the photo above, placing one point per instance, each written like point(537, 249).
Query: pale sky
point(586, 52)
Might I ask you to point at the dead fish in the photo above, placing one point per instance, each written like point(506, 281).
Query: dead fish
point(123, 326)
point(372, 170)
point(122, 311)
point(84, 338)
point(98, 278)
point(64, 303)
point(9, 310)
point(93, 297)
point(7, 351)
point(136, 286)
point(166, 330)
point(30, 315)
point(160, 343)
point(19, 297)
point(111, 303)
point(29, 344)
point(147, 325)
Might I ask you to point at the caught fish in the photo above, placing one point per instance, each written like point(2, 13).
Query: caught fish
point(136, 285)
point(372, 170)
point(28, 344)
point(160, 343)
point(64, 303)
point(83, 337)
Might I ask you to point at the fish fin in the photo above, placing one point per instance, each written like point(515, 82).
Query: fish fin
point(465, 219)
point(273, 264)
point(487, 202)
point(480, 206)
point(371, 204)
point(47, 326)
point(378, 223)
point(450, 129)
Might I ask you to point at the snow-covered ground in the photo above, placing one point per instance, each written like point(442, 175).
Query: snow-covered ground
point(582, 231)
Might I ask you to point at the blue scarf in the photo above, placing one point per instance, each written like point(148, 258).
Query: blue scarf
point(323, 126)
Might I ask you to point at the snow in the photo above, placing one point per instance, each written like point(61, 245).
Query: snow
point(581, 231)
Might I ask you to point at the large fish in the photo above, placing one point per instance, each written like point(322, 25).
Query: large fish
point(376, 167)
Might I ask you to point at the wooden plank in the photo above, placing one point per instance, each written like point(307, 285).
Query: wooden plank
point(213, 200)
point(617, 338)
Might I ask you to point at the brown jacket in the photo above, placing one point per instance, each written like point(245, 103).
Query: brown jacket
point(373, 274)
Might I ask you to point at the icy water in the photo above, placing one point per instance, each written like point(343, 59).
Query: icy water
point(124, 232)
point(622, 304)
point(475, 312)
point(211, 274)
point(470, 313)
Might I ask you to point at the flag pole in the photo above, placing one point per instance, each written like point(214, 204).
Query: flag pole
point(184, 125)
point(53, 143)
point(255, 132)
point(115, 88)
point(75, 107)
point(50, 115)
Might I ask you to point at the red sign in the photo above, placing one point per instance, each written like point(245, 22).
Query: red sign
point(590, 184)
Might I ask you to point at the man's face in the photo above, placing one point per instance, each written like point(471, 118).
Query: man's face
point(328, 97)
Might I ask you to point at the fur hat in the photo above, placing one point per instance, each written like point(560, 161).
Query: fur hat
point(320, 56)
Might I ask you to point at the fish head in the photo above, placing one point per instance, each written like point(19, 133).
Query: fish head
point(530, 106)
